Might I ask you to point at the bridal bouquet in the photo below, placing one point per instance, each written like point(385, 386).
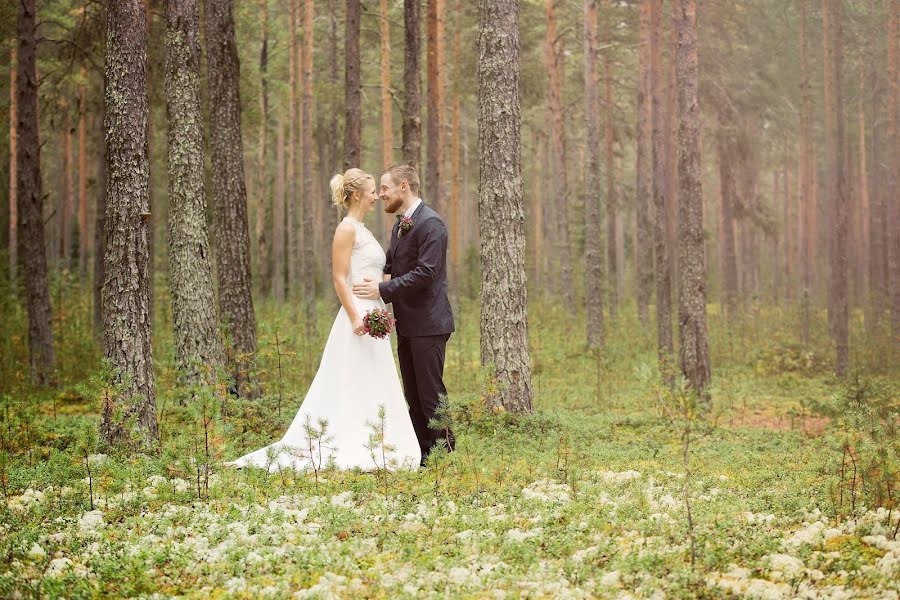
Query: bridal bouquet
point(378, 323)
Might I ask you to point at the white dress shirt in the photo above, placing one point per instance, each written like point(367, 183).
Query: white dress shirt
point(409, 212)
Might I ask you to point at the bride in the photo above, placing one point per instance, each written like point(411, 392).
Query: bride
point(339, 422)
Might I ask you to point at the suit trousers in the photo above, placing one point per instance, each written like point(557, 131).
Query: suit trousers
point(422, 370)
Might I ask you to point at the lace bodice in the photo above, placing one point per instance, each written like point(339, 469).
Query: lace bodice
point(367, 258)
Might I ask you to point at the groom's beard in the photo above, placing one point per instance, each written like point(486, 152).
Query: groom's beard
point(391, 205)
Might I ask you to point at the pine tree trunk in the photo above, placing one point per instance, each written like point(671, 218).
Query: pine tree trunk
point(130, 421)
point(554, 55)
point(612, 216)
point(659, 153)
point(30, 204)
point(353, 88)
point(776, 245)
point(308, 195)
point(434, 125)
point(278, 274)
point(864, 234)
point(878, 259)
point(643, 250)
point(593, 255)
point(504, 322)
point(893, 186)
point(293, 194)
point(13, 169)
point(198, 346)
point(229, 194)
point(693, 343)
point(788, 224)
point(68, 192)
point(836, 186)
point(807, 182)
point(455, 200)
point(262, 194)
point(82, 182)
point(728, 253)
point(412, 103)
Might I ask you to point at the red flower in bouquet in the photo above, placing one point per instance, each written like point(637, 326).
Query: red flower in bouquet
point(378, 323)
point(406, 223)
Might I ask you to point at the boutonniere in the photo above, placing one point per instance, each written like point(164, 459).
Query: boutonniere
point(406, 223)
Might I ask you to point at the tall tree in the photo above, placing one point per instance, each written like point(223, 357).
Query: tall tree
point(352, 88)
point(434, 125)
point(455, 166)
point(13, 194)
point(82, 180)
point(308, 253)
point(612, 215)
point(278, 237)
point(864, 234)
point(100, 223)
point(387, 111)
point(593, 245)
point(893, 139)
point(67, 193)
point(807, 180)
point(727, 251)
point(659, 153)
point(554, 55)
point(836, 186)
point(262, 195)
point(412, 100)
point(30, 204)
point(198, 346)
point(693, 346)
point(643, 249)
point(229, 194)
point(131, 420)
point(293, 194)
point(504, 323)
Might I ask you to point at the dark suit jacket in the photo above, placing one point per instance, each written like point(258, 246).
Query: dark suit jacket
point(417, 263)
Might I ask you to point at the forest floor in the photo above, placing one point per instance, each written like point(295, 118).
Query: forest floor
point(586, 498)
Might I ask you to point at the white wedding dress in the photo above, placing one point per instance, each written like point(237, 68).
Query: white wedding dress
point(356, 375)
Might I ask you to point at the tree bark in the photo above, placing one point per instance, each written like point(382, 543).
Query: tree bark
point(353, 88)
point(382, 227)
point(727, 252)
point(293, 195)
point(129, 421)
point(82, 181)
point(643, 250)
point(660, 186)
point(412, 103)
point(198, 346)
point(262, 195)
point(13, 169)
point(593, 249)
point(30, 204)
point(788, 218)
point(455, 167)
point(838, 310)
point(807, 182)
point(230, 196)
point(692, 333)
point(434, 125)
point(278, 274)
point(893, 186)
point(554, 55)
point(67, 203)
point(504, 322)
point(864, 234)
point(612, 215)
point(308, 251)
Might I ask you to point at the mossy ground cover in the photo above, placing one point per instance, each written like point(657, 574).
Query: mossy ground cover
point(585, 498)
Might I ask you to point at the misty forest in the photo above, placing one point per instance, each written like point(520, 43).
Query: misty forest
point(673, 261)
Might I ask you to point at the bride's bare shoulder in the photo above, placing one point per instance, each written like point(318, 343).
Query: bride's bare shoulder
point(344, 231)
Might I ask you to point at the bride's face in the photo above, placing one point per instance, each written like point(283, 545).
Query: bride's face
point(368, 196)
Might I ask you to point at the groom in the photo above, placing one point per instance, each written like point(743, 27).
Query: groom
point(415, 281)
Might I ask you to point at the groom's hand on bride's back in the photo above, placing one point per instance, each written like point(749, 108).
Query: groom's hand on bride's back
point(368, 289)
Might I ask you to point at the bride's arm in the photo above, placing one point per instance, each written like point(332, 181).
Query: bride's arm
point(341, 248)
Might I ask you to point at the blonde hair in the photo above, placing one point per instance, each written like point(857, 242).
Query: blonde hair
point(344, 186)
point(406, 173)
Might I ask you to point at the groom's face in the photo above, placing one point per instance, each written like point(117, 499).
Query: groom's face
point(390, 193)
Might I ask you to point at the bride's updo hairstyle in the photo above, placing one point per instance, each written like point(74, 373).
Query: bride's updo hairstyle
point(344, 186)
